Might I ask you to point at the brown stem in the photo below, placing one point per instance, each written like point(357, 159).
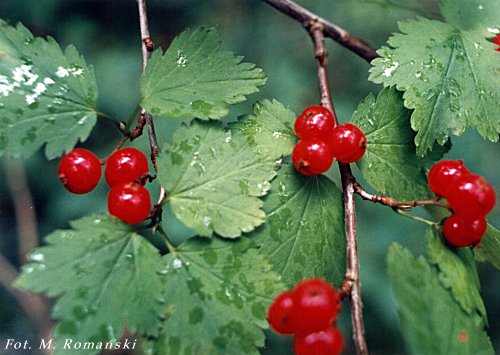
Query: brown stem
point(351, 286)
point(333, 31)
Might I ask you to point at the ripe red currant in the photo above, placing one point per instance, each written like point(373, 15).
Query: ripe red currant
point(317, 305)
point(496, 40)
point(312, 157)
point(314, 122)
point(125, 165)
point(129, 202)
point(348, 143)
point(79, 171)
point(328, 341)
point(471, 195)
point(281, 313)
point(461, 231)
point(443, 173)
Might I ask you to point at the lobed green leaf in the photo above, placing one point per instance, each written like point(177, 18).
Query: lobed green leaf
point(472, 14)
point(431, 321)
point(216, 298)
point(489, 248)
point(196, 79)
point(304, 233)
point(214, 180)
point(390, 164)
point(47, 96)
point(105, 276)
point(450, 78)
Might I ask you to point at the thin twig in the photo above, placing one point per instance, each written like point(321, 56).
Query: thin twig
point(393, 203)
point(333, 31)
point(352, 285)
point(147, 46)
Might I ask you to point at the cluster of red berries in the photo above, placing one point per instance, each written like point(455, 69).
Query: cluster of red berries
point(470, 197)
point(80, 171)
point(322, 141)
point(309, 311)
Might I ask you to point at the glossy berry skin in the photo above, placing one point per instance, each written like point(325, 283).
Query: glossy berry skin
point(471, 195)
point(328, 341)
point(314, 122)
point(443, 173)
point(312, 157)
point(129, 202)
point(80, 171)
point(281, 315)
point(461, 231)
point(348, 143)
point(317, 305)
point(125, 165)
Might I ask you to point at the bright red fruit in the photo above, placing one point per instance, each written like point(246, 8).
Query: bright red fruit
point(317, 305)
point(443, 173)
point(314, 122)
point(312, 157)
point(461, 231)
point(129, 202)
point(348, 143)
point(125, 165)
point(325, 342)
point(496, 40)
point(281, 313)
point(471, 195)
point(80, 171)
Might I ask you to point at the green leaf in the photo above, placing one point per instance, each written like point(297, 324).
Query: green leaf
point(47, 96)
point(489, 248)
point(214, 180)
point(390, 164)
point(431, 321)
point(105, 276)
point(304, 233)
point(269, 130)
point(195, 79)
point(217, 293)
point(450, 78)
point(471, 14)
point(457, 272)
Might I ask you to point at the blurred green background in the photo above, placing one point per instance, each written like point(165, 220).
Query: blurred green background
point(106, 33)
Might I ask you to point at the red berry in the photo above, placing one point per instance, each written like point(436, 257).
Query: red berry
point(348, 143)
point(328, 341)
point(125, 165)
point(314, 122)
point(281, 313)
point(443, 173)
point(496, 40)
point(461, 231)
point(317, 305)
point(80, 171)
point(471, 195)
point(129, 202)
point(312, 157)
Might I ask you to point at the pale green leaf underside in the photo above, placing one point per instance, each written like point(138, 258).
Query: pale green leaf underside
point(431, 321)
point(304, 232)
point(269, 130)
point(105, 276)
point(457, 272)
point(472, 14)
point(390, 164)
point(489, 249)
point(216, 296)
point(196, 79)
point(214, 180)
point(47, 96)
point(450, 78)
